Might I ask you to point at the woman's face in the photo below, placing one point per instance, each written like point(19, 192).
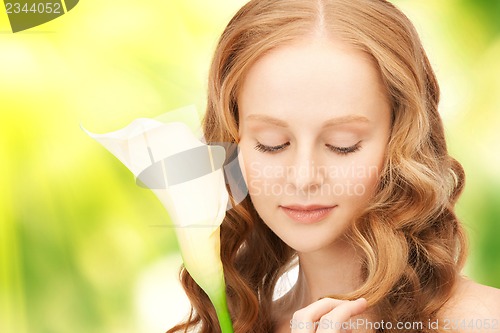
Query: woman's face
point(314, 126)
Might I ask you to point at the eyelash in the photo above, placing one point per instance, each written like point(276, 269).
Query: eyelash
point(271, 149)
point(339, 150)
point(344, 150)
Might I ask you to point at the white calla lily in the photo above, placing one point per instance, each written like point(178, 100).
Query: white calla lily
point(187, 177)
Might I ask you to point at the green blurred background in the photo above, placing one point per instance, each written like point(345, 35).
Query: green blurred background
point(80, 246)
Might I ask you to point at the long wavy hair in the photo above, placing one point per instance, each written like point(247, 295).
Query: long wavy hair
point(413, 246)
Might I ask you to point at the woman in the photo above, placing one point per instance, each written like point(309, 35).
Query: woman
point(333, 104)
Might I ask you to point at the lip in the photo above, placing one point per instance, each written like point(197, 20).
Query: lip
point(307, 214)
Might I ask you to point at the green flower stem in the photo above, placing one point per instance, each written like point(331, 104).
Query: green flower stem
point(200, 250)
point(220, 304)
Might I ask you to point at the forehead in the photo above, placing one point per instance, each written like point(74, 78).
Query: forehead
point(318, 76)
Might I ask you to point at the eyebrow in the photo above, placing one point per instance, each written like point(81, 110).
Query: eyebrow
point(329, 123)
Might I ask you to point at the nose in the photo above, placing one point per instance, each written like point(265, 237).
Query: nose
point(306, 173)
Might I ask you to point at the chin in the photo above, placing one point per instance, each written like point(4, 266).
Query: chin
point(308, 243)
point(309, 238)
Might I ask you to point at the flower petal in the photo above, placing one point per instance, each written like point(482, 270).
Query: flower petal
point(200, 202)
point(145, 141)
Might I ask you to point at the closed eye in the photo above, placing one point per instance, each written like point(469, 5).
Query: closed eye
point(345, 150)
point(271, 149)
point(339, 150)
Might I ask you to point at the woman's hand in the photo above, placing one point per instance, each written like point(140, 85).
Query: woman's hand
point(327, 315)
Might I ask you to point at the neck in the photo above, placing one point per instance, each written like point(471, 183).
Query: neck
point(335, 270)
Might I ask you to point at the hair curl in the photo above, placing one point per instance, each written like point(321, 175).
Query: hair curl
point(413, 245)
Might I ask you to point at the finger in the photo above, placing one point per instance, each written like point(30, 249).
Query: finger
point(337, 319)
point(306, 319)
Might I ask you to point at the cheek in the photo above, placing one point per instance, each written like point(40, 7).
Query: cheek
point(364, 174)
point(260, 177)
point(243, 167)
point(263, 177)
point(251, 169)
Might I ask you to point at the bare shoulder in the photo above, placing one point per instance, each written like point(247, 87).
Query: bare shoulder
point(474, 305)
